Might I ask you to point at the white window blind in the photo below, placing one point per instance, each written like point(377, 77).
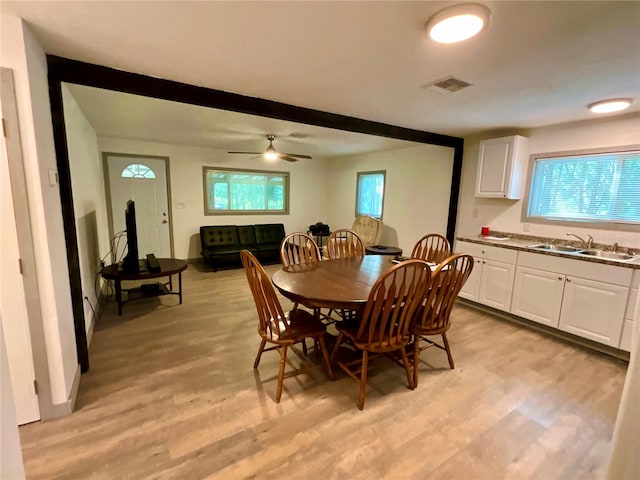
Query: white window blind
point(245, 191)
point(370, 194)
point(603, 187)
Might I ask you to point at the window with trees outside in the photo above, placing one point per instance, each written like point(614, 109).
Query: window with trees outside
point(234, 192)
point(370, 193)
point(594, 187)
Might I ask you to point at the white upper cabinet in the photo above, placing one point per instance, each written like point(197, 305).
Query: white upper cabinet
point(501, 167)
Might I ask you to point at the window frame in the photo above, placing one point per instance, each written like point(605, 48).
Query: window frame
point(384, 190)
point(602, 225)
point(287, 183)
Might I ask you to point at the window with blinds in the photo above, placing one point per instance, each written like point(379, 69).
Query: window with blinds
point(370, 193)
point(233, 192)
point(592, 187)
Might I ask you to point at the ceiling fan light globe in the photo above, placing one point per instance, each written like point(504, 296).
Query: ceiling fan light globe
point(270, 155)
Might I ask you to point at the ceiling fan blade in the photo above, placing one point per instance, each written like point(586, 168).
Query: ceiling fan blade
point(248, 153)
point(296, 155)
point(287, 157)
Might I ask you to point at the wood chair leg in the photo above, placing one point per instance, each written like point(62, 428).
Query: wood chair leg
point(260, 350)
point(325, 356)
point(304, 346)
point(416, 359)
point(283, 360)
point(446, 347)
point(363, 379)
point(405, 361)
point(335, 347)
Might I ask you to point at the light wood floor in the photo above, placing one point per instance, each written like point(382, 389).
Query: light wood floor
point(171, 393)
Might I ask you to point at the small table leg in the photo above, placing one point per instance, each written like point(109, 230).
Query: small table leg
point(119, 296)
point(170, 284)
point(180, 286)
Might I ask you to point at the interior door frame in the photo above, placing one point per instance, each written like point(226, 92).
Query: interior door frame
point(62, 69)
point(25, 245)
point(107, 186)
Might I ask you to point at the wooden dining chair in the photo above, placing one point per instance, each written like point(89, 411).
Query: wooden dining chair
point(433, 316)
point(298, 248)
point(383, 326)
point(433, 247)
point(344, 243)
point(281, 329)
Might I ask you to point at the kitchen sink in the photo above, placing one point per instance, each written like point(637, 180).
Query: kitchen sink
point(607, 255)
point(582, 252)
point(556, 248)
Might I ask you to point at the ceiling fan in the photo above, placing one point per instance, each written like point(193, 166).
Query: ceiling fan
point(272, 154)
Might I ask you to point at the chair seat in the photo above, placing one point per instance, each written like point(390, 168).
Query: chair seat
point(417, 330)
point(349, 328)
point(302, 324)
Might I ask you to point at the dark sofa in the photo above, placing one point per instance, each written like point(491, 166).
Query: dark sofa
point(222, 244)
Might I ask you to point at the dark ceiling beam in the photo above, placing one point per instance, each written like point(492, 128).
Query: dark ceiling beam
point(73, 71)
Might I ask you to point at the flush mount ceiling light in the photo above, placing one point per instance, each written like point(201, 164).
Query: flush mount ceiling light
point(458, 23)
point(612, 105)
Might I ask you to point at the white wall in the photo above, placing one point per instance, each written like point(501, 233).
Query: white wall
point(308, 183)
point(506, 215)
point(89, 201)
point(21, 52)
point(417, 191)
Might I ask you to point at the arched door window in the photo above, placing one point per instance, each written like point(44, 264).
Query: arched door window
point(137, 170)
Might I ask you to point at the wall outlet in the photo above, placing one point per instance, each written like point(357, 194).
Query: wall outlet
point(526, 227)
point(474, 213)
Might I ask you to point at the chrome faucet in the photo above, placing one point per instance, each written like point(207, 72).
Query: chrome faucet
point(587, 243)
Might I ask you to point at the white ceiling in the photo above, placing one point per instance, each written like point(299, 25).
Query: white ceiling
point(539, 63)
point(115, 114)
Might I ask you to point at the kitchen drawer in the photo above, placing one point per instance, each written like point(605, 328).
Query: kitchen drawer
point(488, 252)
point(598, 272)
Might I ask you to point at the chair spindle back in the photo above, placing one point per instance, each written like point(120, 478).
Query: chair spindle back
point(446, 282)
point(298, 248)
point(391, 304)
point(345, 243)
point(432, 247)
point(272, 320)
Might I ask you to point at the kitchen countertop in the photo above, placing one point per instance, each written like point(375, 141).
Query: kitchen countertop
point(522, 242)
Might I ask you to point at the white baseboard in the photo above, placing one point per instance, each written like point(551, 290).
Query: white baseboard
point(66, 408)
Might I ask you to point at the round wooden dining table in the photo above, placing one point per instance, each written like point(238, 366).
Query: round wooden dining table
point(342, 283)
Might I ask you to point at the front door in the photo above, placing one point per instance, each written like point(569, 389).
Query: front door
point(143, 180)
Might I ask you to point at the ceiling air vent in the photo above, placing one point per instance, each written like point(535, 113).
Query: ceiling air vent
point(446, 85)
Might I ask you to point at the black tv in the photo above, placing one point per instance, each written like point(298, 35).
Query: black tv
point(130, 263)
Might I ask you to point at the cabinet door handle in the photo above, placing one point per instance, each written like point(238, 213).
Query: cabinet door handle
point(568, 279)
point(559, 278)
point(483, 261)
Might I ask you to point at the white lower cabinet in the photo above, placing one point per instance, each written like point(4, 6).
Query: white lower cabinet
point(632, 304)
point(594, 310)
point(591, 300)
point(471, 288)
point(537, 295)
point(496, 284)
point(491, 280)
